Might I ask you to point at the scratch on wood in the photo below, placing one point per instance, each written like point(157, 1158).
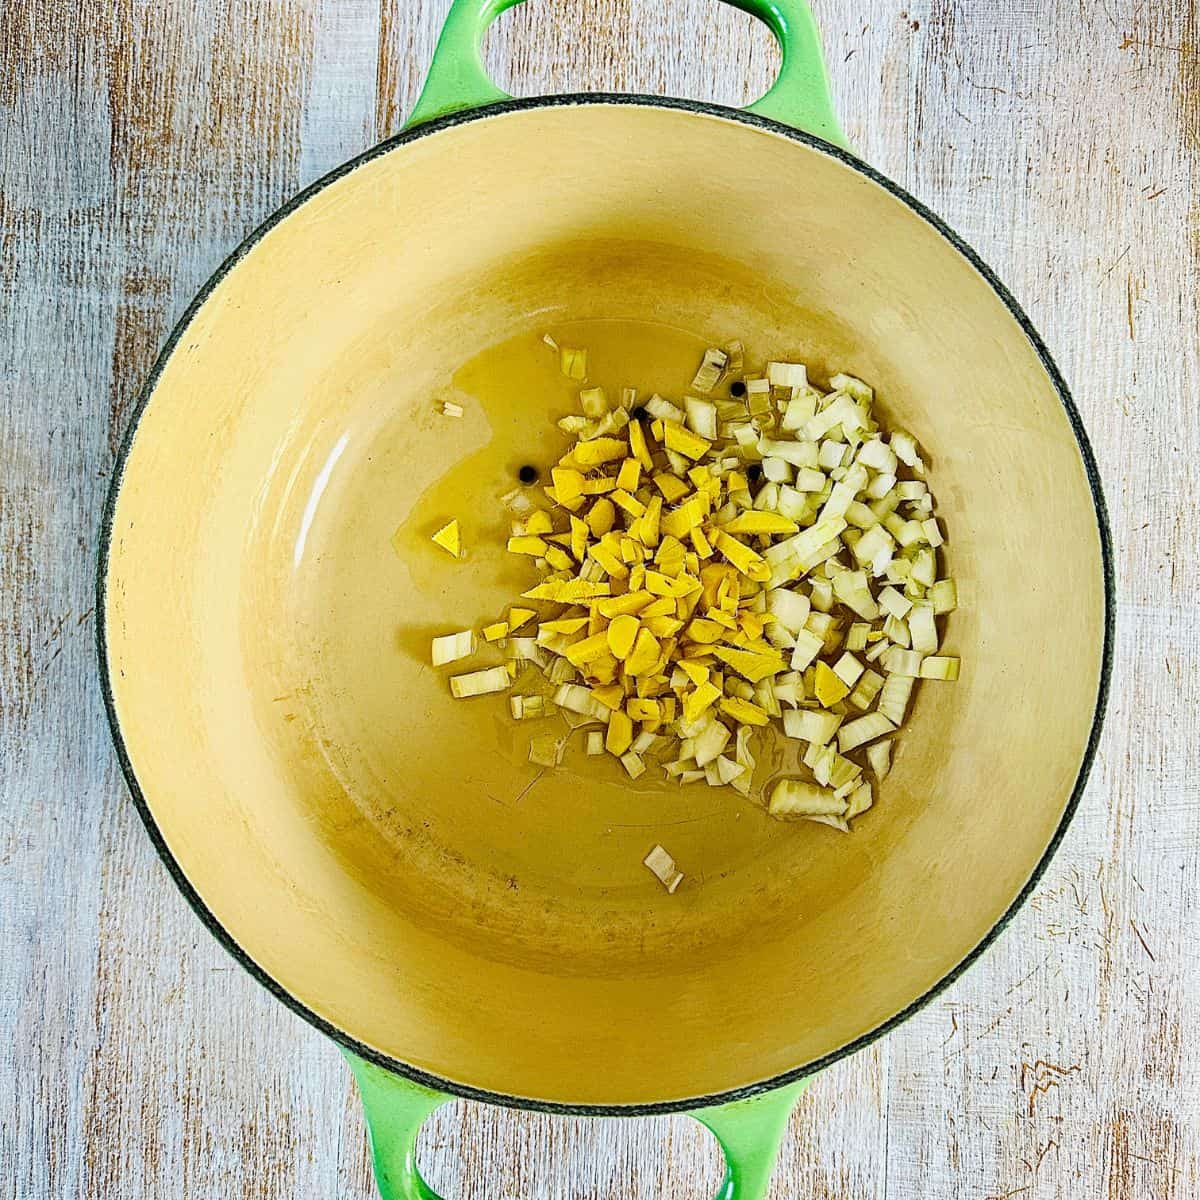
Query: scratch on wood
point(1140, 938)
point(1005, 1195)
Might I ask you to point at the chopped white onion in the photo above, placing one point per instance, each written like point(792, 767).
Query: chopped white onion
point(453, 647)
point(865, 729)
point(480, 683)
point(664, 869)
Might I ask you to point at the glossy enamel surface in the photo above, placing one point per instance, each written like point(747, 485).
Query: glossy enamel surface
point(375, 847)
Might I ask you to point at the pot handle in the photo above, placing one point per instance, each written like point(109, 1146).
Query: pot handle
point(749, 1132)
point(799, 97)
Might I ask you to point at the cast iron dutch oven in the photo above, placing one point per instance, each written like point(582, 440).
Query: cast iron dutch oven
point(371, 849)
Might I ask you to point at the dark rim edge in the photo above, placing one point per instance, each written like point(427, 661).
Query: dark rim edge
point(214, 926)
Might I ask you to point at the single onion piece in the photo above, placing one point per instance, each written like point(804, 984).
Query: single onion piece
point(480, 683)
point(662, 865)
point(795, 798)
point(865, 729)
point(879, 758)
point(452, 647)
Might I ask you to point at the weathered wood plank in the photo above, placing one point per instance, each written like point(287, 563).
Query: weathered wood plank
point(140, 141)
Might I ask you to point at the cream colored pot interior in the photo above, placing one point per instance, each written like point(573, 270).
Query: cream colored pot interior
point(385, 852)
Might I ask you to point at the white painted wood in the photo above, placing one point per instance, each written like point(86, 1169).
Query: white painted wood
point(139, 141)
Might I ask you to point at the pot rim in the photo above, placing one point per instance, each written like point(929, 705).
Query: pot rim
point(226, 938)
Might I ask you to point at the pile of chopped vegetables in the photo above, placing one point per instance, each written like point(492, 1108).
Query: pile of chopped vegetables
point(763, 561)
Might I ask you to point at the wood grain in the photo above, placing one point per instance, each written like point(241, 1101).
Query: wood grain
point(140, 140)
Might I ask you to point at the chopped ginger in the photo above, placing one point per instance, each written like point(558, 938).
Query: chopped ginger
point(450, 539)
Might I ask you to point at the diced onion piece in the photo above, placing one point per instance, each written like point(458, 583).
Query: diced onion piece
point(662, 865)
point(524, 708)
point(701, 417)
point(808, 646)
point(881, 486)
point(790, 609)
point(861, 517)
point(633, 764)
point(545, 750)
point(449, 409)
point(877, 651)
point(800, 454)
point(897, 631)
point(874, 549)
point(893, 698)
point(578, 699)
point(832, 455)
point(879, 758)
point(727, 769)
point(711, 743)
point(526, 649)
point(922, 628)
point(943, 596)
point(792, 798)
point(856, 636)
point(710, 371)
point(905, 446)
point(663, 409)
point(821, 595)
point(842, 771)
point(868, 687)
point(800, 410)
point(853, 386)
point(894, 603)
point(593, 402)
point(852, 589)
point(844, 492)
point(859, 801)
point(843, 411)
point(848, 669)
point(924, 568)
point(902, 662)
point(453, 646)
point(866, 729)
point(788, 375)
point(940, 667)
point(573, 363)
point(810, 480)
point(480, 683)
point(595, 743)
point(877, 455)
point(811, 725)
point(644, 742)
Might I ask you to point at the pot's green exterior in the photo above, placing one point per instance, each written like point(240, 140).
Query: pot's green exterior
point(799, 97)
point(749, 1131)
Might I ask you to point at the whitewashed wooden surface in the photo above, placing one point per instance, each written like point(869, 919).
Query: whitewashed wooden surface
point(140, 140)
